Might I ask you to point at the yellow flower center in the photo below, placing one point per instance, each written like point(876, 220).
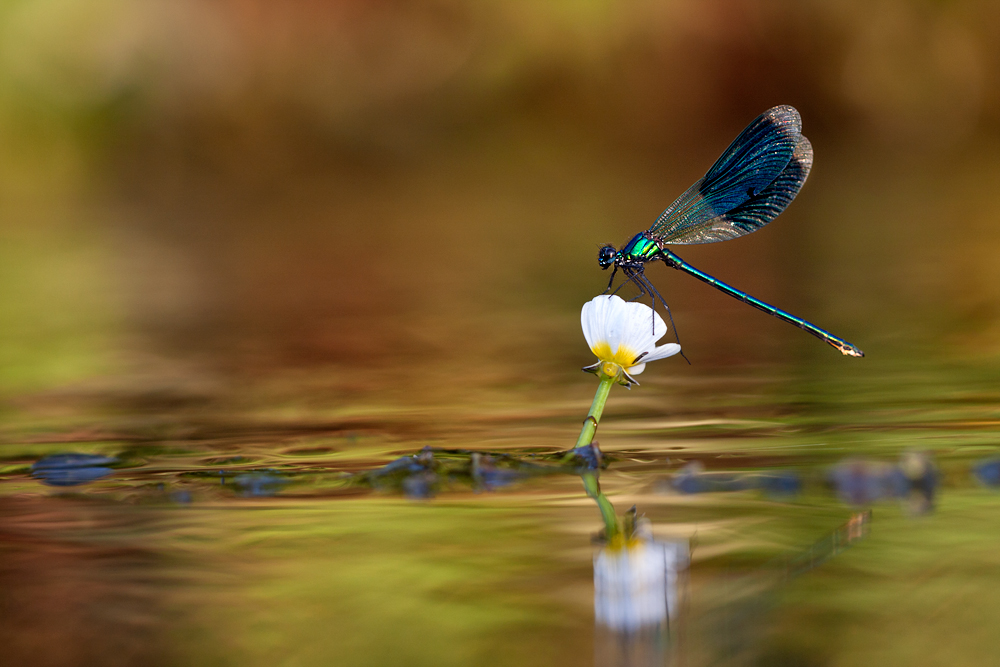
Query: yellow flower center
point(624, 356)
point(621, 543)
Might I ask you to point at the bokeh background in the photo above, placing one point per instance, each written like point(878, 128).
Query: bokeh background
point(238, 187)
point(314, 236)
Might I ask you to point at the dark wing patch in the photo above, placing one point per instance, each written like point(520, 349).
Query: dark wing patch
point(757, 211)
point(751, 163)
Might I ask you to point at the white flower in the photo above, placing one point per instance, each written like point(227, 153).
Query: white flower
point(623, 336)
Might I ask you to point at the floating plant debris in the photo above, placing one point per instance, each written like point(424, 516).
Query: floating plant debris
point(987, 472)
point(423, 474)
point(72, 469)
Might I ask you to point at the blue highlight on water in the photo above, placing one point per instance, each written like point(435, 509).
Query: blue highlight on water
point(259, 484)
point(70, 469)
point(988, 472)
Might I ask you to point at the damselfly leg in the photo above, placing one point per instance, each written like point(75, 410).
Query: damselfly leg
point(611, 282)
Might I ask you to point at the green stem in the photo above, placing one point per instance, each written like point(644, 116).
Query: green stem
point(593, 488)
point(590, 483)
point(596, 410)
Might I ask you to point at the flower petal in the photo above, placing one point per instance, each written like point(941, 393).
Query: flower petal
point(613, 327)
point(635, 370)
point(622, 332)
point(643, 328)
point(662, 352)
point(594, 317)
point(588, 321)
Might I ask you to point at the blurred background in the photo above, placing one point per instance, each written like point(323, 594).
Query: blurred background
point(243, 186)
point(350, 229)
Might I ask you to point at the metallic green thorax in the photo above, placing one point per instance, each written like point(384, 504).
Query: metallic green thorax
point(640, 249)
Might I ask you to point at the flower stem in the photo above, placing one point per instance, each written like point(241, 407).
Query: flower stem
point(590, 483)
point(611, 527)
point(596, 410)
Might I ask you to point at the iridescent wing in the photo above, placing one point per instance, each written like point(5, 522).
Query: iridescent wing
point(756, 211)
point(753, 181)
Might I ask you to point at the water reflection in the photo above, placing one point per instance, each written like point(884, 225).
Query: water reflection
point(732, 618)
point(913, 481)
point(693, 478)
point(639, 592)
point(988, 472)
point(423, 474)
point(70, 469)
point(724, 614)
point(81, 584)
point(259, 484)
point(637, 595)
point(858, 482)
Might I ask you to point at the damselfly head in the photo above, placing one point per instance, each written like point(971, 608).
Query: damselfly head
point(606, 256)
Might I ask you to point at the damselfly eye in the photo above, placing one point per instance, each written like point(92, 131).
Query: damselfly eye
point(606, 256)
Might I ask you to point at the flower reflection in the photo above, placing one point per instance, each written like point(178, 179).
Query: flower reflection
point(637, 586)
point(623, 336)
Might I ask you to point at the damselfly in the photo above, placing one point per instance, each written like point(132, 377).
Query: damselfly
point(747, 187)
